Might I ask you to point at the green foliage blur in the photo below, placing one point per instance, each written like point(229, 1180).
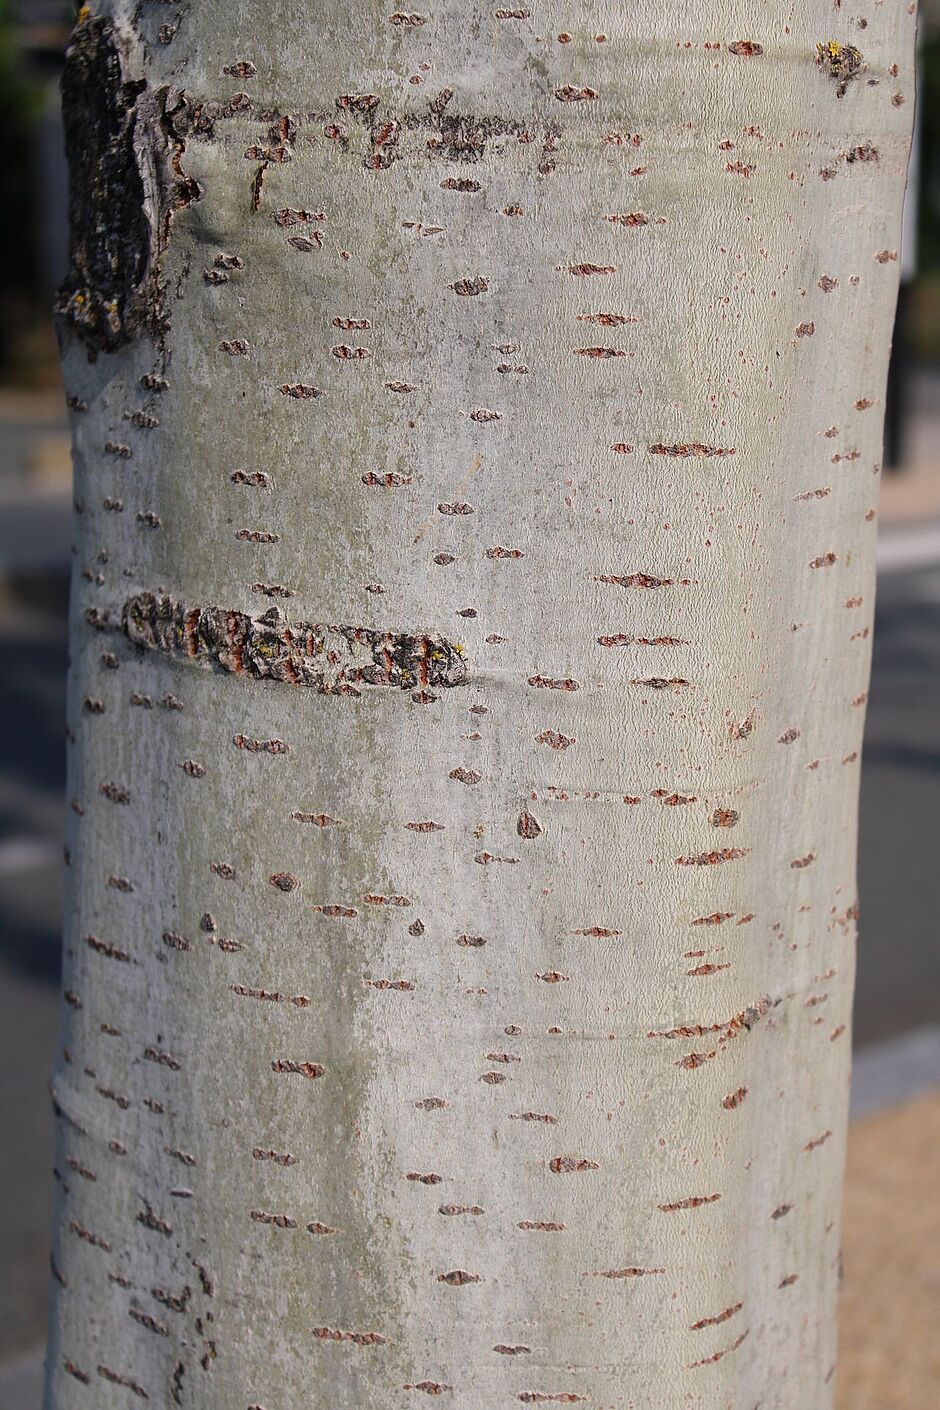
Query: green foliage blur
point(21, 106)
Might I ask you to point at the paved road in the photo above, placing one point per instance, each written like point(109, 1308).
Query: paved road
point(899, 955)
point(899, 959)
point(32, 765)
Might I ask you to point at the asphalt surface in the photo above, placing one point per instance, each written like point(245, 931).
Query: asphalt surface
point(898, 985)
point(899, 959)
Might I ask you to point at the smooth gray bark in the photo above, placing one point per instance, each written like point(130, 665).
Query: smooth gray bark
point(477, 421)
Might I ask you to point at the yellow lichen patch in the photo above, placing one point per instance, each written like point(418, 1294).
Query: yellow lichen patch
point(841, 62)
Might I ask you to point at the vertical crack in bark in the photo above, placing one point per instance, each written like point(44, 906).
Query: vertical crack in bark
point(125, 183)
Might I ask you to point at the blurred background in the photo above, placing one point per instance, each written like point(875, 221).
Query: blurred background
point(891, 1299)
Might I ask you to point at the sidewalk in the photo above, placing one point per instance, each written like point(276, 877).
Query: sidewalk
point(889, 1351)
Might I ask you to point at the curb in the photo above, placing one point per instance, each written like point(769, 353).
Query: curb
point(895, 1071)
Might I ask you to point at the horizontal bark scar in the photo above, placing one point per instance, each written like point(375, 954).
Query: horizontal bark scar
point(341, 1334)
point(332, 660)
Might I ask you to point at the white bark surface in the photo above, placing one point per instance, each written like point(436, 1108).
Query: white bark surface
point(467, 1014)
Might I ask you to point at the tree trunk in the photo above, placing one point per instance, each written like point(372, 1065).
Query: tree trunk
point(477, 429)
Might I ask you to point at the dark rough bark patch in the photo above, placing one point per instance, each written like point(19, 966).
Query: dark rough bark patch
point(333, 660)
point(341, 1334)
point(624, 1273)
point(840, 62)
point(718, 1319)
point(464, 137)
point(695, 448)
point(125, 183)
point(693, 1202)
point(570, 1164)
